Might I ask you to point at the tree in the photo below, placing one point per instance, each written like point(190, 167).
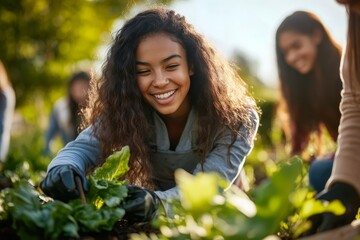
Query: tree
point(41, 41)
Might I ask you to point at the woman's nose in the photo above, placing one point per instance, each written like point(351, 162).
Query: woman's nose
point(160, 79)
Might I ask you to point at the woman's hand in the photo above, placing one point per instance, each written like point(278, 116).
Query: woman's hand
point(60, 184)
point(141, 205)
point(348, 196)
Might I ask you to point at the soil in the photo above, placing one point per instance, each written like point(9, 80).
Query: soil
point(121, 231)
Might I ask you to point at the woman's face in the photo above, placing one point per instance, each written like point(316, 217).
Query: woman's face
point(79, 90)
point(299, 50)
point(163, 74)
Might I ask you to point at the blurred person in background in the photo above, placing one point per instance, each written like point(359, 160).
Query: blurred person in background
point(65, 117)
point(308, 62)
point(344, 184)
point(7, 107)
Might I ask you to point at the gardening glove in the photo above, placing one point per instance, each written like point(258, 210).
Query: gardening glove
point(140, 205)
point(326, 221)
point(60, 184)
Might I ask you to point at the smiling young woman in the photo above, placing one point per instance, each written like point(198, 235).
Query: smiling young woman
point(168, 95)
point(308, 65)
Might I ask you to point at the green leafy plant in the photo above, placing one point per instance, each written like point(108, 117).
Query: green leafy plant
point(51, 219)
point(205, 210)
point(104, 187)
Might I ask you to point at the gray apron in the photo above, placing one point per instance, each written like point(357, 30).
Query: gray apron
point(164, 164)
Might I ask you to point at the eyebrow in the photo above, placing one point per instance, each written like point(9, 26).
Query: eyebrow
point(162, 61)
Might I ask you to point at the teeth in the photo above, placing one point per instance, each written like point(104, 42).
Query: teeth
point(164, 95)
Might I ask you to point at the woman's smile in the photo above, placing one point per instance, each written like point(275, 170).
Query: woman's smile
point(164, 95)
point(163, 74)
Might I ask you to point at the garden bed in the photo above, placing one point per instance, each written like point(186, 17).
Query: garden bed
point(121, 231)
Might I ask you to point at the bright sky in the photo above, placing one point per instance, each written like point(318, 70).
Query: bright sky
point(249, 26)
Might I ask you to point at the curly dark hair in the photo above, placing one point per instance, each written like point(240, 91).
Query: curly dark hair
point(311, 100)
point(120, 115)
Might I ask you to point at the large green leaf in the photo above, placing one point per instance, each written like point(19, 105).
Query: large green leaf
point(115, 166)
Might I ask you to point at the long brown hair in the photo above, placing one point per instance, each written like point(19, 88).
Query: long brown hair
point(310, 100)
point(120, 115)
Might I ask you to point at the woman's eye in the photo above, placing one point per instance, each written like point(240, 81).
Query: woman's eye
point(172, 66)
point(142, 72)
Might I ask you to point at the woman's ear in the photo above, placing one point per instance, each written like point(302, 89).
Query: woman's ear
point(317, 36)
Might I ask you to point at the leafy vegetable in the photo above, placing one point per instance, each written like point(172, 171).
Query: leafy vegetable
point(206, 211)
point(30, 218)
point(104, 185)
point(115, 166)
point(55, 219)
point(272, 199)
point(105, 192)
point(197, 202)
point(91, 219)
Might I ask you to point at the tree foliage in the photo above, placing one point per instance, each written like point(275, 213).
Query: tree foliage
point(41, 41)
